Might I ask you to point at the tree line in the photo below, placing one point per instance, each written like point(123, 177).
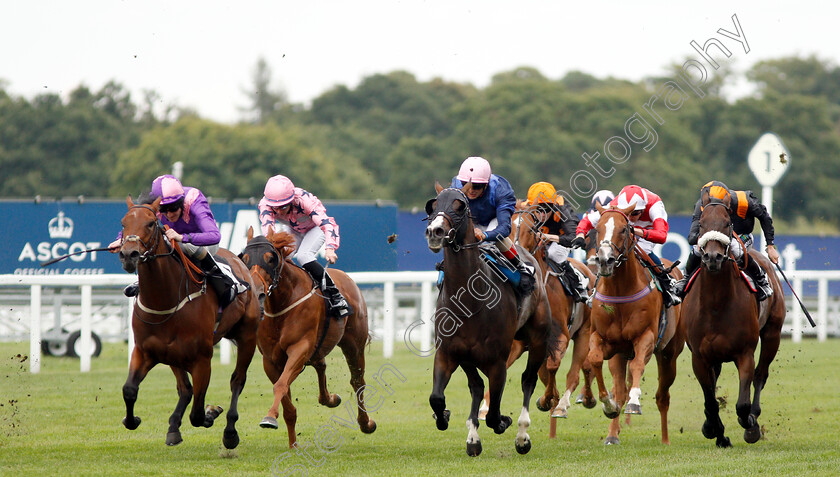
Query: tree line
point(392, 137)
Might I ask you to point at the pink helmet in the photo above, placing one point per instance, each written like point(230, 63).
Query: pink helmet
point(279, 191)
point(632, 195)
point(475, 170)
point(168, 188)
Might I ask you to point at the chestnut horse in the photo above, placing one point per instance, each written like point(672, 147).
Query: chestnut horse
point(296, 329)
point(572, 318)
point(724, 323)
point(625, 324)
point(477, 319)
point(174, 323)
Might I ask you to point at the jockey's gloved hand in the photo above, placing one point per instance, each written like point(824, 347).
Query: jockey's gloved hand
point(578, 242)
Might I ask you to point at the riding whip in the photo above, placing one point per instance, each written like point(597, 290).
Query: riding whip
point(808, 315)
point(58, 259)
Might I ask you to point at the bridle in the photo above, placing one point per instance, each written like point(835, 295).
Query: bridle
point(149, 255)
point(457, 220)
point(629, 239)
point(256, 246)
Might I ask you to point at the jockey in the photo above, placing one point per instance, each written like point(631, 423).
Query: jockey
point(650, 224)
point(556, 223)
point(602, 197)
point(492, 202)
point(305, 217)
point(186, 211)
point(744, 209)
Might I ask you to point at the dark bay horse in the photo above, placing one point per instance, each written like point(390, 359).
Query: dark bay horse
point(296, 329)
point(724, 323)
point(174, 323)
point(625, 324)
point(573, 319)
point(478, 317)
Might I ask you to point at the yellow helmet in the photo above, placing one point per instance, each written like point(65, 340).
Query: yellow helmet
point(543, 193)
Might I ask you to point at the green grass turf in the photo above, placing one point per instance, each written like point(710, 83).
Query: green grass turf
point(63, 422)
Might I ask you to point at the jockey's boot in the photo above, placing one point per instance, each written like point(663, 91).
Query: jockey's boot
point(132, 290)
point(337, 304)
point(669, 296)
point(218, 280)
point(575, 280)
point(756, 271)
point(526, 275)
point(691, 266)
point(439, 268)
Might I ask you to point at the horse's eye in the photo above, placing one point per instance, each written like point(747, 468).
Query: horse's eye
point(151, 224)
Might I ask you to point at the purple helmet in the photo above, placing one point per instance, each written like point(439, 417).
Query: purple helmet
point(168, 188)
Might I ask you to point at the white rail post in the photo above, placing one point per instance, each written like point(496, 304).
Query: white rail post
point(130, 329)
point(426, 315)
point(796, 312)
point(86, 343)
point(224, 351)
point(389, 318)
point(35, 329)
point(822, 309)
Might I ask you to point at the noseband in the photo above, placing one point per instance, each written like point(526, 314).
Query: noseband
point(717, 235)
point(629, 240)
point(149, 254)
point(458, 221)
point(258, 246)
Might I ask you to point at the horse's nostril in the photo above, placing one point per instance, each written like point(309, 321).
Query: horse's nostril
point(705, 257)
point(438, 232)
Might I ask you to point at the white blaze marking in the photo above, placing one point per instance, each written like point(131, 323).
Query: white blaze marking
point(609, 230)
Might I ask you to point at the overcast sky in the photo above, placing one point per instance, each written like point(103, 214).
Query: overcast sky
point(200, 54)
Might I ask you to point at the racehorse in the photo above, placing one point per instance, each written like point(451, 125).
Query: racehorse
point(626, 324)
point(478, 316)
point(296, 329)
point(574, 320)
point(175, 323)
point(724, 322)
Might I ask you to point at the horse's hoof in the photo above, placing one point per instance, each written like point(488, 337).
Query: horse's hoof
point(131, 425)
point(371, 426)
point(482, 414)
point(752, 435)
point(337, 401)
point(590, 403)
point(633, 409)
point(212, 411)
point(442, 421)
point(474, 450)
point(540, 406)
point(524, 447)
point(559, 413)
point(579, 399)
point(611, 415)
point(723, 442)
point(173, 438)
point(504, 423)
point(707, 430)
point(609, 441)
point(269, 422)
point(230, 439)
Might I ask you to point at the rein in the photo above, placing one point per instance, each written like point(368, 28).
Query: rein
point(629, 240)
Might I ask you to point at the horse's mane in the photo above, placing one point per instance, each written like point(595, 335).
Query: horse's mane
point(146, 197)
point(283, 242)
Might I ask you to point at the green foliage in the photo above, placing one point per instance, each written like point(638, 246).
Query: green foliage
point(392, 136)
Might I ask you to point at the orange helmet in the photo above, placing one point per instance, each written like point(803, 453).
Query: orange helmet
point(717, 190)
point(543, 193)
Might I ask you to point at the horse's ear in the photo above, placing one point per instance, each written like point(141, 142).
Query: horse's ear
point(521, 204)
point(438, 187)
point(627, 210)
point(599, 207)
point(466, 187)
point(430, 206)
point(156, 204)
point(129, 202)
point(250, 234)
point(270, 233)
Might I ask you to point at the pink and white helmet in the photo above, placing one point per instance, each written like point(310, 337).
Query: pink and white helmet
point(279, 191)
point(632, 195)
point(475, 170)
point(168, 188)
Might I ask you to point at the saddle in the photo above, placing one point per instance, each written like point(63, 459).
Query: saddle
point(491, 255)
point(226, 284)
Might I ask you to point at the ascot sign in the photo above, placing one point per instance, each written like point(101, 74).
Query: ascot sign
point(59, 227)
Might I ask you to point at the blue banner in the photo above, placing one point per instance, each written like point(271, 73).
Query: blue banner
point(47, 230)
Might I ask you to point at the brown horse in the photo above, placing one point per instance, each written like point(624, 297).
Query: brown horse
point(174, 323)
point(296, 329)
point(573, 319)
point(478, 316)
point(724, 323)
point(625, 324)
